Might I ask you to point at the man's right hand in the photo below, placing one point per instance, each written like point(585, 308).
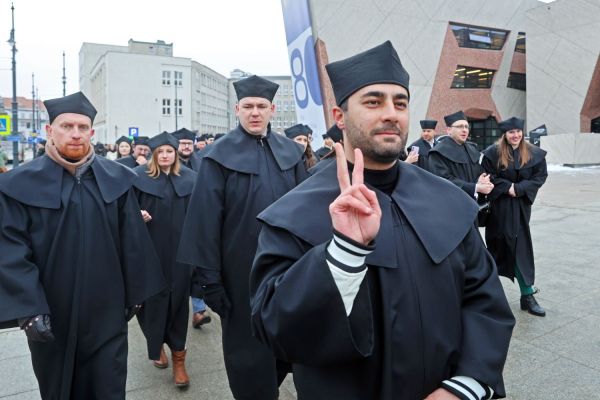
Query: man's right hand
point(146, 216)
point(355, 212)
point(37, 328)
point(141, 160)
point(216, 298)
point(484, 185)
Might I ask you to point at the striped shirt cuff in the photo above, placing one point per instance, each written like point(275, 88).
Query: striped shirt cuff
point(466, 388)
point(346, 261)
point(346, 253)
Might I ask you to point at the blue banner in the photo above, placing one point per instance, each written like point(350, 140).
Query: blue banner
point(303, 66)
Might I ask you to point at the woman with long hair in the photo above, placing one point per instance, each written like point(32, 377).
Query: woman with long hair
point(124, 148)
point(518, 170)
point(299, 133)
point(163, 189)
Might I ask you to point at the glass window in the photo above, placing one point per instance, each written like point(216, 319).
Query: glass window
point(517, 81)
point(166, 78)
point(179, 106)
point(596, 125)
point(472, 78)
point(178, 78)
point(484, 132)
point(166, 106)
point(520, 46)
point(478, 37)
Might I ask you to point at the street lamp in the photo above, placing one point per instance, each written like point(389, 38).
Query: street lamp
point(15, 111)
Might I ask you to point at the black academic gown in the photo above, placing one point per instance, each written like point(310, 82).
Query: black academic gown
point(239, 176)
point(424, 149)
point(430, 307)
point(76, 249)
point(128, 161)
point(164, 317)
point(193, 162)
point(507, 230)
point(322, 152)
point(457, 163)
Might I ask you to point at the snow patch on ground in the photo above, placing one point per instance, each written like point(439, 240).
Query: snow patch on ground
point(561, 168)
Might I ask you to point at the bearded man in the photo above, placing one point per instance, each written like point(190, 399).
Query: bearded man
point(363, 280)
point(77, 259)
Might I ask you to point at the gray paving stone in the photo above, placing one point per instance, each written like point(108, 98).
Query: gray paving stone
point(561, 379)
point(577, 341)
point(16, 375)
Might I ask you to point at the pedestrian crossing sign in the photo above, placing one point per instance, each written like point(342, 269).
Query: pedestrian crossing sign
point(4, 125)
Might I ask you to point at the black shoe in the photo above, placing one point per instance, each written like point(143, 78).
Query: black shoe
point(529, 303)
point(200, 318)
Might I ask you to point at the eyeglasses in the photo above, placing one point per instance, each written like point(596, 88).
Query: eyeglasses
point(466, 126)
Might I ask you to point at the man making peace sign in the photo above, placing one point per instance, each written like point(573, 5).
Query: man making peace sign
point(370, 277)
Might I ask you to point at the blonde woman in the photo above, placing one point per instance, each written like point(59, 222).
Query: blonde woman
point(163, 189)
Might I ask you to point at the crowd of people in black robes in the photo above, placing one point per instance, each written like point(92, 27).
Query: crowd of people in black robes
point(341, 266)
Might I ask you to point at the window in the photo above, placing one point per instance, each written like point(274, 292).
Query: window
point(475, 37)
point(472, 78)
point(166, 78)
point(178, 78)
point(596, 125)
point(484, 132)
point(166, 106)
point(179, 106)
point(520, 46)
point(516, 81)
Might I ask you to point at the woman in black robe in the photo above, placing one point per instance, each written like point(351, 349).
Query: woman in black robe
point(517, 170)
point(124, 148)
point(163, 189)
point(300, 134)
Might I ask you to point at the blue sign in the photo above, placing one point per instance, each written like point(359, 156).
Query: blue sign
point(303, 66)
point(13, 138)
point(134, 132)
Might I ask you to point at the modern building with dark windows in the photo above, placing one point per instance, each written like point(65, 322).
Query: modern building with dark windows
point(492, 59)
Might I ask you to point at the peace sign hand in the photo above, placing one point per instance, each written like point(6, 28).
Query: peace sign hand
point(355, 213)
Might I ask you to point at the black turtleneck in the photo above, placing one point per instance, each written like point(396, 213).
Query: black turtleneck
point(383, 180)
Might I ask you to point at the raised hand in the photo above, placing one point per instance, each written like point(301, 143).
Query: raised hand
point(146, 216)
point(141, 160)
point(484, 185)
point(355, 212)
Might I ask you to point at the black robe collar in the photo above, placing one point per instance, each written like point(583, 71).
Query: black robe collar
point(537, 156)
point(128, 161)
point(441, 217)
point(461, 154)
point(39, 182)
point(183, 184)
point(237, 151)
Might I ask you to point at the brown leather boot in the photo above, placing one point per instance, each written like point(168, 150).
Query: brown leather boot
point(180, 376)
point(163, 361)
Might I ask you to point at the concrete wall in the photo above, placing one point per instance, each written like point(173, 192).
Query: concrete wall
point(572, 148)
point(563, 43)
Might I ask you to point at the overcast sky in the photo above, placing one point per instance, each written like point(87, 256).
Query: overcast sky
point(221, 34)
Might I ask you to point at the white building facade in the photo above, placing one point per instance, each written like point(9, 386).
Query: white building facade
point(142, 88)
